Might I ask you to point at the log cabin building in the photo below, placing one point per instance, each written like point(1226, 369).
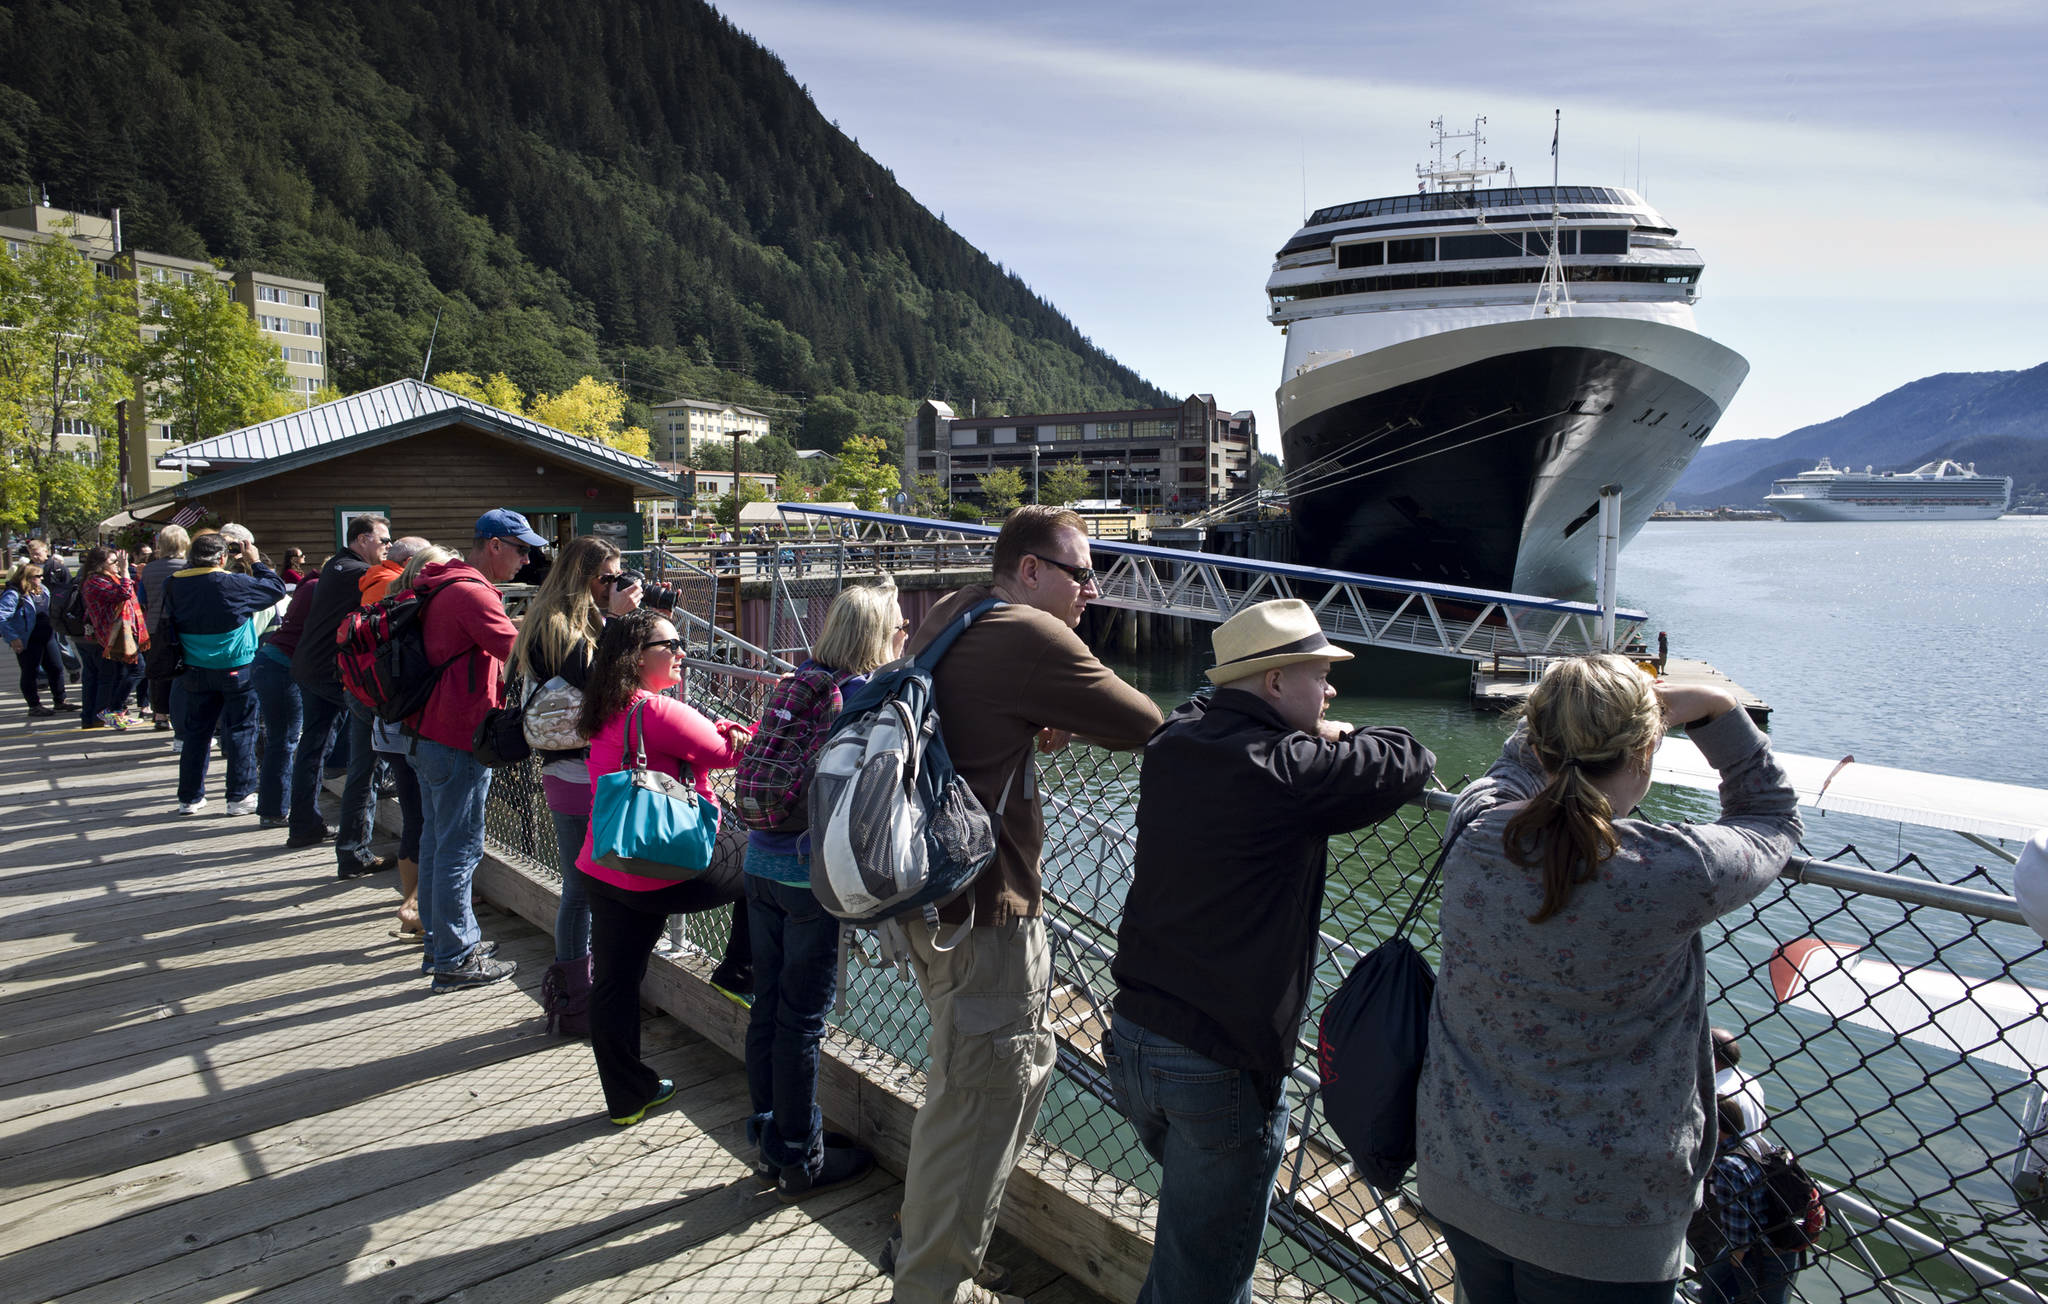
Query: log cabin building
point(429, 460)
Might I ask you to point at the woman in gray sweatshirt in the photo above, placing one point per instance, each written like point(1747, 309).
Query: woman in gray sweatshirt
point(1562, 1127)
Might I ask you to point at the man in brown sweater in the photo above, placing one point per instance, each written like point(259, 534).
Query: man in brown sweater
point(1018, 675)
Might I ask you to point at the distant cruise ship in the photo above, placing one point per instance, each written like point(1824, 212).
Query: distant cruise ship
point(1938, 491)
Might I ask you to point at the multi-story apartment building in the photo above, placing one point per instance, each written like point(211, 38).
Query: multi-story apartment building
point(1181, 458)
point(291, 313)
point(681, 423)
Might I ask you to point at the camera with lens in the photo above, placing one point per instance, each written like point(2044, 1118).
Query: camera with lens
point(234, 547)
point(661, 597)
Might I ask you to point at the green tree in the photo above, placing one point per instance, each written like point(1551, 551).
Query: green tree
point(928, 496)
point(1002, 490)
point(727, 510)
point(862, 476)
point(1067, 482)
point(67, 337)
point(829, 423)
point(206, 368)
point(1265, 472)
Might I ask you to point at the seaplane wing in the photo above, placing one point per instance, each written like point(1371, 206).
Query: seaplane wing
point(1988, 1019)
point(1989, 810)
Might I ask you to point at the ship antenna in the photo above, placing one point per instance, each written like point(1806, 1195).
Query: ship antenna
point(1553, 299)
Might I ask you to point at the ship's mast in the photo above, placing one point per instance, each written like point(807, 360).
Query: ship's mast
point(1457, 173)
point(1553, 298)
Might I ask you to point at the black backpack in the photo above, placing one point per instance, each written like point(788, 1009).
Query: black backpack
point(1798, 1214)
point(71, 617)
point(1370, 1044)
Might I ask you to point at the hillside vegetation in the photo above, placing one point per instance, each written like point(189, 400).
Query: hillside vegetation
point(1997, 419)
point(634, 189)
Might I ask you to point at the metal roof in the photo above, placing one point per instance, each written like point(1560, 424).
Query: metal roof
point(368, 418)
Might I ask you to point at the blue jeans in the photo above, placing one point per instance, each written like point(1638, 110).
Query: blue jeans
point(572, 917)
point(223, 699)
point(1762, 1277)
point(103, 685)
point(411, 815)
point(1219, 1147)
point(1486, 1276)
point(277, 694)
point(359, 791)
point(796, 974)
point(453, 788)
point(316, 732)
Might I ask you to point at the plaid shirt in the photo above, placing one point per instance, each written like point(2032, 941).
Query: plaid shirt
point(1741, 1202)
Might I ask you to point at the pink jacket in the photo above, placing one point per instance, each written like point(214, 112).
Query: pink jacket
point(675, 734)
point(469, 633)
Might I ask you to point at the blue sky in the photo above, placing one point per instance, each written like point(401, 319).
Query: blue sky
point(1868, 183)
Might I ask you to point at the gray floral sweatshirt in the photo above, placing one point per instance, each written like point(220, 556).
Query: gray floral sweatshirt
point(1562, 1113)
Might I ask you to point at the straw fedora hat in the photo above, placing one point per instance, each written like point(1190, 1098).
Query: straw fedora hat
point(1267, 635)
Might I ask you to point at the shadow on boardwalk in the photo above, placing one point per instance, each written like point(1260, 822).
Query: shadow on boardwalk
point(222, 1076)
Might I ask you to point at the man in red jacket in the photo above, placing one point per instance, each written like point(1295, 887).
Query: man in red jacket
point(469, 636)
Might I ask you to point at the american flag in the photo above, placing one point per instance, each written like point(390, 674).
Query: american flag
point(189, 514)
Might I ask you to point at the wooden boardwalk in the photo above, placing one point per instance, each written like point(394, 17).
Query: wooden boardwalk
point(221, 1077)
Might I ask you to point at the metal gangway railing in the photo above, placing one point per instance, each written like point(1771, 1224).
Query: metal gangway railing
point(1369, 610)
point(1931, 1159)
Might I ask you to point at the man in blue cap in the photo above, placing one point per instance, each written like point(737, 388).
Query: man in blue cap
point(469, 636)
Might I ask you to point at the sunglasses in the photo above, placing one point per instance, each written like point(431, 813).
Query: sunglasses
point(672, 644)
point(1081, 575)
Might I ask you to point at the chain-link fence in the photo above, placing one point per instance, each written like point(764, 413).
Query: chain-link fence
point(1910, 1094)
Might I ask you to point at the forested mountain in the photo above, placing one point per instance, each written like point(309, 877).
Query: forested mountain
point(634, 188)
point(1998, 419)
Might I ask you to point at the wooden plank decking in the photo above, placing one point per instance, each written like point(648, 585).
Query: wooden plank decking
point(221, 1077)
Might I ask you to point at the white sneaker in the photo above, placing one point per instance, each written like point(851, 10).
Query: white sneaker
point(246, 806)
point(194, 807)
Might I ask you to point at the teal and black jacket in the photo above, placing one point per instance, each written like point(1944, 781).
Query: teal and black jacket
point(211, 609)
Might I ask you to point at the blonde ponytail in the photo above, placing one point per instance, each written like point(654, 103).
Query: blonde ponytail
point(1588, 718)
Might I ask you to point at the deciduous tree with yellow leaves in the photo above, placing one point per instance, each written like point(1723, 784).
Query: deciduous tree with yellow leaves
point(590, 409)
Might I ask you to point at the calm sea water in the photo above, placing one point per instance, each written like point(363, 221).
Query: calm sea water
point(1919, 646)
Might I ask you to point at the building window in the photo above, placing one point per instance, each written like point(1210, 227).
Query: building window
point(1191, 475)
point(1068, 431)
point(1190, 454)
point(1154, 429)
point(1109, 430)
point(1371, 254)
point(269, 294)
point(312, 300)
point(1027, 434)
point(985, 436)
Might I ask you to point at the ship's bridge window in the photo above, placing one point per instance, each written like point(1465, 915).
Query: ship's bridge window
point(1538, 243)
point(1412, 251)
point(1603, 241)
point(1369, 254)
point(1490, 245)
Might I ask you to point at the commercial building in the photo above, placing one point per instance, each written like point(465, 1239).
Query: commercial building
point(291, 313)
point(1182, 458)
point(681, 423)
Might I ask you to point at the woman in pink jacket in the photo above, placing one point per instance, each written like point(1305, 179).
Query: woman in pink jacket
point(638, 656)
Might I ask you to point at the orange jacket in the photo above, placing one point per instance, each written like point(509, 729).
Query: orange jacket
point(377, 581)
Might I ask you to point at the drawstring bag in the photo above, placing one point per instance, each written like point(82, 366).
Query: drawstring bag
point(500, 738)
point(1370, 1044)
point(649, 823)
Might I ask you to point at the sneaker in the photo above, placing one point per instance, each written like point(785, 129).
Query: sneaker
point(355, 867)
point(118, 720)
point(41, 712)
point(989, 1277)
point(309, 837)
point(242, 805)
point(841, 1166)
point(273, 822)
point(94, 724)
point(662, 1095)
point(477, 971)
point(191, 807)
point(735, 982)
point(163, 724)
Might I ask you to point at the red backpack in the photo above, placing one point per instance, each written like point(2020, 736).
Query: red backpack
point(775, 769)
point(380, 652)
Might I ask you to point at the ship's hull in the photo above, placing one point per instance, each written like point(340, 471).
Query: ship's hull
point(1476, 456)
point(1821, 509)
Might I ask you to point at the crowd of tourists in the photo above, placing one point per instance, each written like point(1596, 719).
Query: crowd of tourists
point(1568, 1118)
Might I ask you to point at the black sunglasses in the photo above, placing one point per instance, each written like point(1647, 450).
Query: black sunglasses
point(1079, 574)
point(672, 644)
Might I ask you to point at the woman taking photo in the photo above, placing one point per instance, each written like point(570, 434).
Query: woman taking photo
point(796, 944)
point(638, 656)
point(557, 638)
point(115, 639)
point(171, 544)
point(25, 626)
point(1564, 1113)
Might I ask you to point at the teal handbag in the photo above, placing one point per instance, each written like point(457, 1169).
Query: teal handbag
point(649, 823)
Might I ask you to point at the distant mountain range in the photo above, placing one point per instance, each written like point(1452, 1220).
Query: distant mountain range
point(1997, 419)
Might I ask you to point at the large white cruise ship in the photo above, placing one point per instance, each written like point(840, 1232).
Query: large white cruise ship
point(1938, 491)
point(1466, 367)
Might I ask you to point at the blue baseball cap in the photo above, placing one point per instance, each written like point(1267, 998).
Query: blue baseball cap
point(504, 523)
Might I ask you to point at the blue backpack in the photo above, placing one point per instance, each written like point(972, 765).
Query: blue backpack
point(895, 832)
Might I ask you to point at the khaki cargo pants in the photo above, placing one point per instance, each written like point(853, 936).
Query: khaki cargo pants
point(992, 1056)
